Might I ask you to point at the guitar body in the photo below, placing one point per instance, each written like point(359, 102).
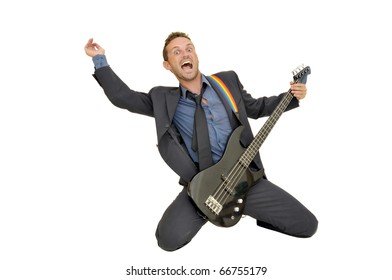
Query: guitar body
point(220, 190)
point(221, 203)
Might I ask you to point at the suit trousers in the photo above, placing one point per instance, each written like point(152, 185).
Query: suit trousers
point(272, 207)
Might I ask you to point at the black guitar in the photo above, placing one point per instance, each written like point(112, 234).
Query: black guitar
point(220, 190)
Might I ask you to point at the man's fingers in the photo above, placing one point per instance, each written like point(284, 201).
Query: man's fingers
point(89, 42)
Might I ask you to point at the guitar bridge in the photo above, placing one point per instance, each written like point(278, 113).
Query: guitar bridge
point(213, 204)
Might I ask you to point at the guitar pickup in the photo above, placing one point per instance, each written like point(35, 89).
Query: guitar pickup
point(227, 184)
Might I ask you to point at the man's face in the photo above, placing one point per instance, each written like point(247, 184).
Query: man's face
point(182, 59)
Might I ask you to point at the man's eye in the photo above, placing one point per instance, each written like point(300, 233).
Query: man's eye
point(176, 52)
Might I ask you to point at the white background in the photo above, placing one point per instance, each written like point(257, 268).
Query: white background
point(81, 193)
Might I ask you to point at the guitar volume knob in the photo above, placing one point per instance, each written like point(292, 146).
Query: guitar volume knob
point(236, 209)
point(239, 200)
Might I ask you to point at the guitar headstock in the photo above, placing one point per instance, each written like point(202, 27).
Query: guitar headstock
point(300, 74)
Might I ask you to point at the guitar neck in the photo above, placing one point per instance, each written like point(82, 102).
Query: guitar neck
point(260, 137)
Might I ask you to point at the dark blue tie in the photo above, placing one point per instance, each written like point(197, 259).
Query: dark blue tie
point(200, 139)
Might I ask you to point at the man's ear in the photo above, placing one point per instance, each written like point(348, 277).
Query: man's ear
point(166, 65)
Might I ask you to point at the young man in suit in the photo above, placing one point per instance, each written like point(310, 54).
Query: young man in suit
point(174, 110)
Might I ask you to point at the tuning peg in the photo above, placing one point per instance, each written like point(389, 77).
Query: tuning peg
point(298, 69)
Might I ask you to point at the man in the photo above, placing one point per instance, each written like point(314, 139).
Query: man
point(174, 108)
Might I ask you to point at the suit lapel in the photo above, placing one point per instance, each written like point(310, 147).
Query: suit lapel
point(172, 98)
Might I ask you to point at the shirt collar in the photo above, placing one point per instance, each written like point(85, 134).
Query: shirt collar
point(203, 80)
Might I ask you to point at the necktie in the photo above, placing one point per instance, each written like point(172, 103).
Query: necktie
point(200, 139)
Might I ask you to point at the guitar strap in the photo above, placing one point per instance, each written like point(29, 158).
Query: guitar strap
point(217, 83)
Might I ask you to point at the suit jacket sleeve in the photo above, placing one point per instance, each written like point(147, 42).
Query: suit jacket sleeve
point(165, 99)
point(121, 95)
point(263, 106)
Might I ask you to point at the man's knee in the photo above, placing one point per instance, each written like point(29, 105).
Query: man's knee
point(305, 226)
point(309, 227)
point(170, 241)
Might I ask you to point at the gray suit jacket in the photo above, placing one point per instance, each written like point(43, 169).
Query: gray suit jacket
point(161, 102)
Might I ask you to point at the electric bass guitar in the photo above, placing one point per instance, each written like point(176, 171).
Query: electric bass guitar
point(220, 190)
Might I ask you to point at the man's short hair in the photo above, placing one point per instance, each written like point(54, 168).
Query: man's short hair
point(170, 38)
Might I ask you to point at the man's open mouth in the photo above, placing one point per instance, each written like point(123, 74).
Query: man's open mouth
point(187, 65)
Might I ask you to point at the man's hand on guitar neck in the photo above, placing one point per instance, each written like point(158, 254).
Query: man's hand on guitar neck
point(298, 90)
